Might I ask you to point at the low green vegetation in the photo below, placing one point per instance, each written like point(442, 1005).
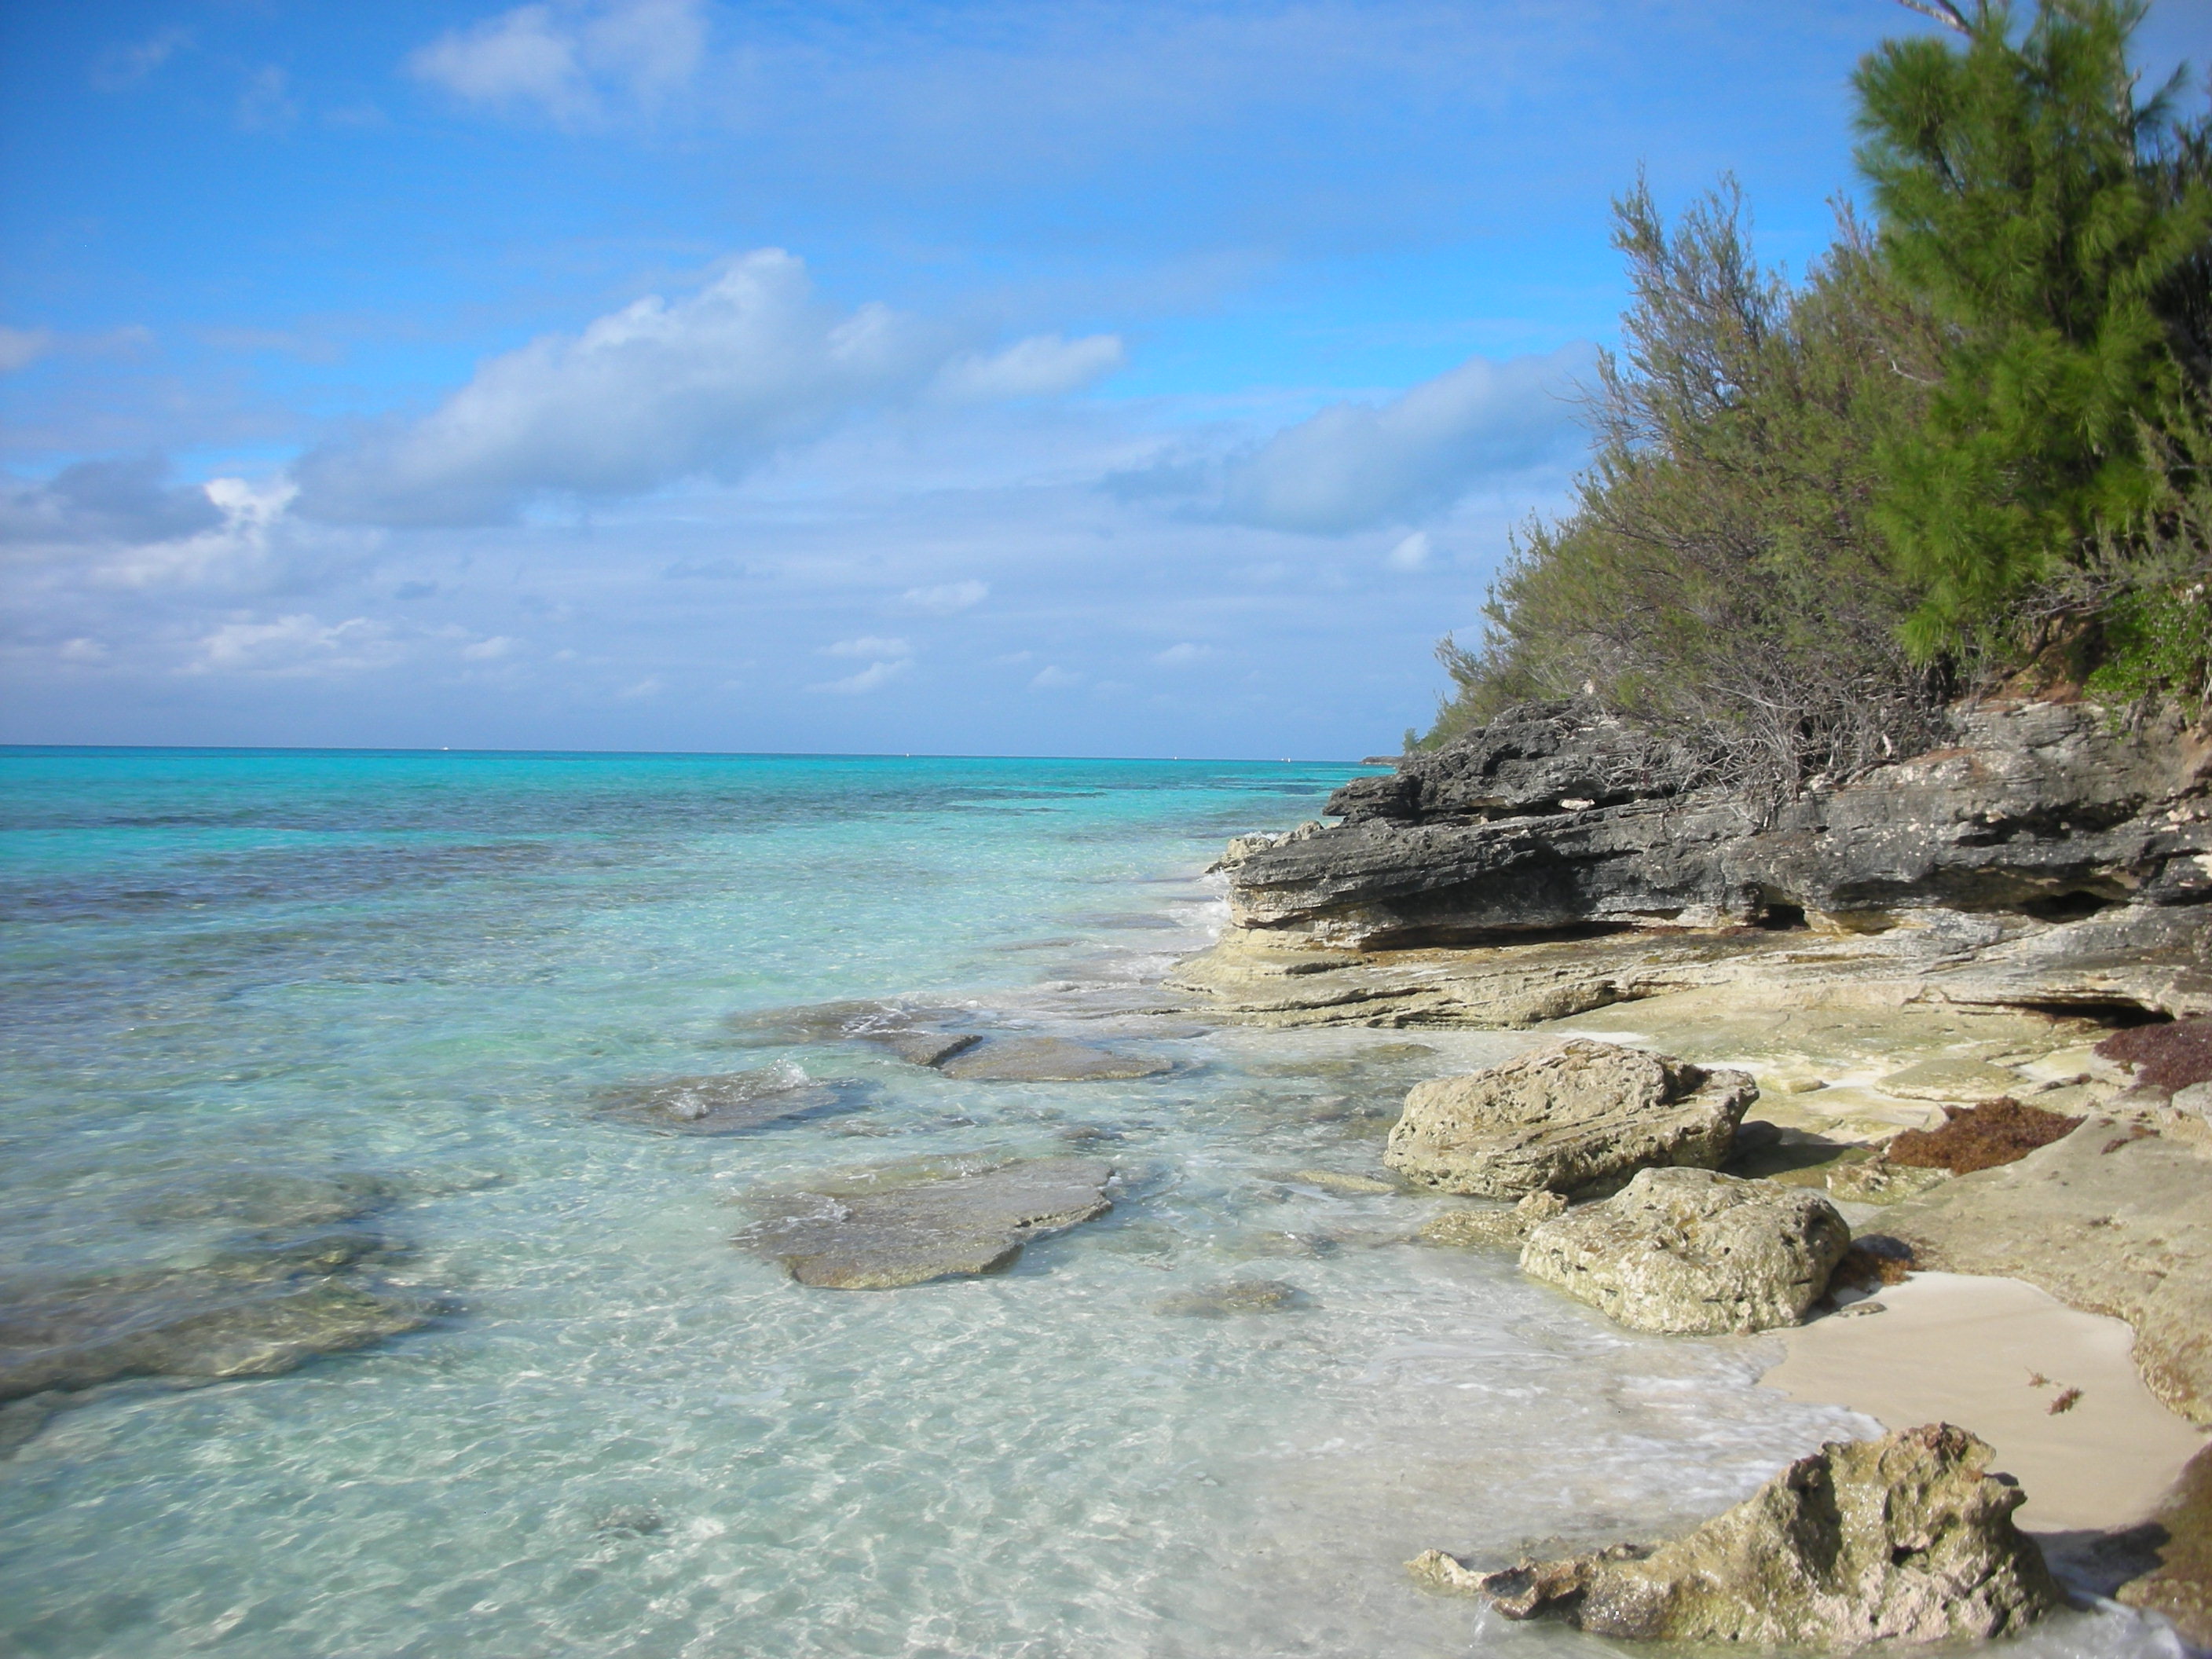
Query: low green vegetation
point(1971, 448)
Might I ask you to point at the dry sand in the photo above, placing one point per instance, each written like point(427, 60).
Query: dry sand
point(1947, 1347)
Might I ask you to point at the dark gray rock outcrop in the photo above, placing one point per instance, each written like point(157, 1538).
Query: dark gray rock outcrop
point(1551, 820)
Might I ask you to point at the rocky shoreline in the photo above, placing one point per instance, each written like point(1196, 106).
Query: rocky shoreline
point(2008, 931)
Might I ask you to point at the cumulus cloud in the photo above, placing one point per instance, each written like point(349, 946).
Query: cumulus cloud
point(946, 598)
point(711, 385)
point(1355, 466)
point(126, 501)
point(569, 61)
point(868, 679)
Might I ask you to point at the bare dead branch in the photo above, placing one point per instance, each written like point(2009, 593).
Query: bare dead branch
point(1942, 11)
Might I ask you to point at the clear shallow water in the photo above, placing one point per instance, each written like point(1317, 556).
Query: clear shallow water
point(622, 1436)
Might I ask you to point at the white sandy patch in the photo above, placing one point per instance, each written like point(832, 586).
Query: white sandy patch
point(1955, 1348)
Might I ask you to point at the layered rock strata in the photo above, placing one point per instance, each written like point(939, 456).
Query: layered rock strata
point(1906, 1539)
point(2040, 858)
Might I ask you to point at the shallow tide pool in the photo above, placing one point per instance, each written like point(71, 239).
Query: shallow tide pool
point(616, 1432)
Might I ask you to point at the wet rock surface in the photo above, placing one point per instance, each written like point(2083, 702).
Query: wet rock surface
point(266, 1197)
point(1048, 1060)
point(1691, 1251)
point(262, 1304)
point(730, 1102)
point(1499, 1227)
point(1906, 1539)
point(1578, 1117)
point(867, 1236)
point(1236, 1296)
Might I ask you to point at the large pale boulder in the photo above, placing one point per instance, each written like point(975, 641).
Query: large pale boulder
point(1579, 1117)
point(1692, 1252)
point(1908, 1538)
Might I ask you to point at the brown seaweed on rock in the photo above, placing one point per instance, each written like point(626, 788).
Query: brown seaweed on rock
point(1983, 1137)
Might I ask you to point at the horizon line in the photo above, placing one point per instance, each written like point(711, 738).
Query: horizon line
point(717, 754)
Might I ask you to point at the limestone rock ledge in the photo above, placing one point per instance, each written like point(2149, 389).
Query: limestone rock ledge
point(1536, 870)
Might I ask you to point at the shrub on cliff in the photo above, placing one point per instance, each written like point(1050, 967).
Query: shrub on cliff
point(1720, 577)
point(1972, 442)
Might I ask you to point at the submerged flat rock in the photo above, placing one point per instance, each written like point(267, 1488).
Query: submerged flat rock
point(1237, 1296)
point(269, 1198)
point(882, 1238)
point(261, 1307)
point(729, 1104)
point(1049, 1059)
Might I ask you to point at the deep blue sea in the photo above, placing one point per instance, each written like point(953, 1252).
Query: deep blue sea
point(413, 976)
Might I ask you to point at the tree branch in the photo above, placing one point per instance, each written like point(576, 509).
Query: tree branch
point(1942, 11)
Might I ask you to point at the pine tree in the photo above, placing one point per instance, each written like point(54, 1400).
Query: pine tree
point(2036, 204)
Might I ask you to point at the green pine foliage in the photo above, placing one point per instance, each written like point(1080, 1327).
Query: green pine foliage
point(1971, 445)
point(2029, 197)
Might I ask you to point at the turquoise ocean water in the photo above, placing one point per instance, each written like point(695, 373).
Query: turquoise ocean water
point(410, 975)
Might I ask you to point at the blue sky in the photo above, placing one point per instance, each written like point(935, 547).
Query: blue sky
point(1020, 378)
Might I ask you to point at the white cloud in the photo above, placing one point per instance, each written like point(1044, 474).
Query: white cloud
point(1044, 365)
point(1053, 677)
point(874, 675)
point(712, 384)
point(266, 105)
point(568, 60)
point(490, 650)
point(1354, 465)
point(1411, 553)
point(294, 647)
point(650, 686)
point(943, 600)
point(125, 66)
point(21, 347)
point(868, 646)
point(82, 650)
point(1175, 655)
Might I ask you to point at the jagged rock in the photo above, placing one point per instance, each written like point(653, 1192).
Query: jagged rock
point(1908, 1538)
point(731, 1103)
point(1048, 1060)
point(1691, 1251)
point(1537, 757)
point(2039, 816)
point(872, 1237)
point(261, 1306)
point(1474, 1229)
point(1578, 1117)
point(1238, 1296)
